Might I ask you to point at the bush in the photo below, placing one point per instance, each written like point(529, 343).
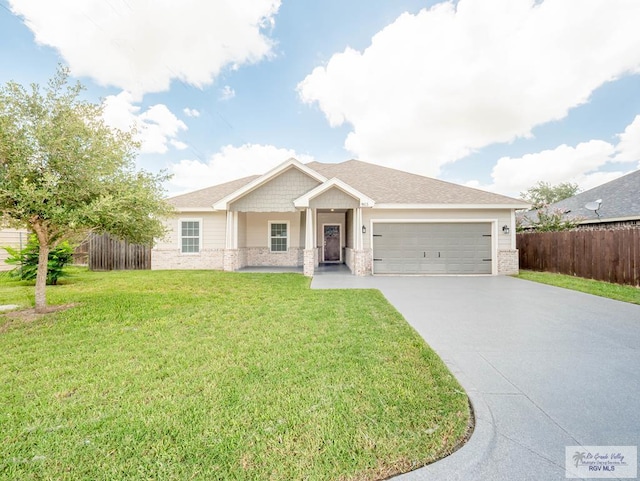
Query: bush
point(26, 261)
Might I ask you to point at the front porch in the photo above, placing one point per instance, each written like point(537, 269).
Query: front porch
point(309, 240)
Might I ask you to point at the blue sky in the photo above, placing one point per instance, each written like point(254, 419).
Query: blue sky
point(496, 94)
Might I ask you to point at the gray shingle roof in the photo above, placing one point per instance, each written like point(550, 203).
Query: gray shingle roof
point(392, 186)
point(620, 200)
point(208, 196)
point(384, 185)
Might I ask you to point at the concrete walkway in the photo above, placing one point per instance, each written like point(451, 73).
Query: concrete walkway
point(544, 368)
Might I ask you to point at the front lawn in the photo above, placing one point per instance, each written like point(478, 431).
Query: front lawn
point(597, 288)
point(218, 376)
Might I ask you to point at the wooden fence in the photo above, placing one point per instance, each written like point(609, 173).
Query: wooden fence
point(605, 255)
point(106, 253)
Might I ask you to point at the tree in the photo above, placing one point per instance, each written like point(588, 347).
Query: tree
point(543, 193)
point(64, 173)
point(546, 219)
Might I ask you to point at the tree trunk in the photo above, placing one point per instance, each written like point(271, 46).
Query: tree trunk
point(41, 277)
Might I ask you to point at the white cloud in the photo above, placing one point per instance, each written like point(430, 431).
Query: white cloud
point(435, 86)
point(562, 164)
point(227, 93)
point(140, 46)
point(157, 127)
point(581, 164)
point(191, 112)
point(628, 149)
point(229, 163)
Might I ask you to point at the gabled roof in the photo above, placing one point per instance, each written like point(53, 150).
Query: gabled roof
point(223, 203)
point(384, 186)
point(364, 200)
point(392, 186)
point(620, 201)
point(203, 199)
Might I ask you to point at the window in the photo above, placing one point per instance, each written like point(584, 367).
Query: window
point(278, 236)
point(190, 236)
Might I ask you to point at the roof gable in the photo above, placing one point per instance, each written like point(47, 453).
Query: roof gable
point(223, 204)
point(334, 183)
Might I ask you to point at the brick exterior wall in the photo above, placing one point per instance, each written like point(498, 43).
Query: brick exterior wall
point(173, 259)
point(362, 262)
point(231, 260)
point(262, 256)
point(310, 261)
point(508, 262)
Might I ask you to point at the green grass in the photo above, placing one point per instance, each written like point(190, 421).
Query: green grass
point(604, 289)
point(218, 376)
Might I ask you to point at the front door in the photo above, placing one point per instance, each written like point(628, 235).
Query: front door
point(332, 248)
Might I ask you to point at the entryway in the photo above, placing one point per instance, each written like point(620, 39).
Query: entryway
point(332, 247)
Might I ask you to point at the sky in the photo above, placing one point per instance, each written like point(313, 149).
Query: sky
point(493, 94)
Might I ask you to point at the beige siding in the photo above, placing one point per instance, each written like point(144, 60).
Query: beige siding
point(334, 199)
point(258, 228)
point(499, 216)
point(11, 238)
point(213, 230)
point(277, 195)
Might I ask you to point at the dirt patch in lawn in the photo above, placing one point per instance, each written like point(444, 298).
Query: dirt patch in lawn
point(26, 316)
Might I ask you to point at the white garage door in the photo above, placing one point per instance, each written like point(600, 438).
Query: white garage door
point(434, 248)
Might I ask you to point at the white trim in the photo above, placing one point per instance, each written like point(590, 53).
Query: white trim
point(193, 209)
point(223, 204)
point(231, 233)
point(303, 201)
point(190, 219)
point(450, 206)
point(309, 228)
point(512, 232)
point(340, 229)
point(494, 235)
point(288, 223)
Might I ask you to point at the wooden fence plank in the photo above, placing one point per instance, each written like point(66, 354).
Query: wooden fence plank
point(607, 255)
point(107, 253)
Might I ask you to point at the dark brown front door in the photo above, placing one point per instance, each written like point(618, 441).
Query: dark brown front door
point(332, 243)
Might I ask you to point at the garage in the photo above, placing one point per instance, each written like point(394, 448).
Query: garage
point(432, 248)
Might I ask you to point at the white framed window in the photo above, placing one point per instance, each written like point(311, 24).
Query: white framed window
point(190, 236)
point(278, 236)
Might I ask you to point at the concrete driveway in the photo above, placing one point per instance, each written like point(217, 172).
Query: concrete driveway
point(544, 367)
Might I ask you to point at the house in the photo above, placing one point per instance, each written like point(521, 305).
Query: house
point(374, 219)
point(611, 205)
point(16, 238)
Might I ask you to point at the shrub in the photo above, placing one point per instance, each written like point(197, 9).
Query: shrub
point(26, 261)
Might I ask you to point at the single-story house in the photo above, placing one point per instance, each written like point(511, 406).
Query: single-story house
point(374, 219)
point(615, 204)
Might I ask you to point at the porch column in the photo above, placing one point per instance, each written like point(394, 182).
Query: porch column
point(310, 251)
point(231, 260)
point(358, 229)
point(232, 230)
point(309, 238)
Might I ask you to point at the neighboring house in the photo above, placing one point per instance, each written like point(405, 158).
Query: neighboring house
point(374, 219)
point(16, 238)
point(619, 204)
